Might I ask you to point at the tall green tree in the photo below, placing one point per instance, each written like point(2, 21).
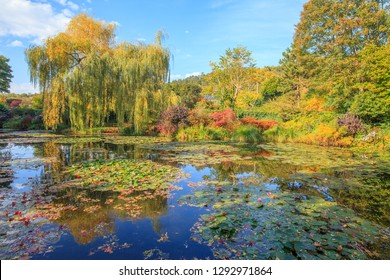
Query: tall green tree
point(5, 74)
point(187, 90)
point(231, 74)
point(328, 41)
point(86, 78)
point(372, 102)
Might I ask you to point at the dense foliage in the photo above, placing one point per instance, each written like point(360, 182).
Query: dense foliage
point(86, 78)
point(330, 88)
point(5, 74)
point(21, 111)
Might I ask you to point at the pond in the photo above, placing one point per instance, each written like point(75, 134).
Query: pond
point(118, 197)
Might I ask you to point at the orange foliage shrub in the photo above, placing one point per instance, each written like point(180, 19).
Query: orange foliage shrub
point(262, 124)
point(327, 135)
point(199, 117)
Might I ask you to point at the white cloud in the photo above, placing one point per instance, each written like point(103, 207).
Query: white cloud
point(193, 74)
point(187, 32)
point(184, 76)
point(68, 4)
point(16, 43)
point(67, 13)
point(72, 5)
point(23, 88)
point(32, 20)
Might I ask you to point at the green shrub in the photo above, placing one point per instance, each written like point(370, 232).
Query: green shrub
point(200, 133)
point(217, 133)
point(14, 123)
point(192, 133)
point(247, 134)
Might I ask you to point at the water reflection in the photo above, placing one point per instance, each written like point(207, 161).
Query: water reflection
point(89, 214)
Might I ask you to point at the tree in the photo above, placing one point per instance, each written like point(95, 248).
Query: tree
point(188, 90)
point(231, 74)
point(327, 43)
point(372, 102)
point(86, 78)
point(294, 75)
point(5, 74)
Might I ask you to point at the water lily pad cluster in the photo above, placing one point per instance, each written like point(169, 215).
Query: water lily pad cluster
point(252, 222)
point(23, 232)
point(76, 140)
point(124, 174)
point(198, 154)
point(135, 140)
point(26, 138)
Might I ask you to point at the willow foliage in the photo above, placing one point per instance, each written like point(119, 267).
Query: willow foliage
point(86, 78)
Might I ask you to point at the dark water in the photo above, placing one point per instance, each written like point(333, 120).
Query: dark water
point(171, 227)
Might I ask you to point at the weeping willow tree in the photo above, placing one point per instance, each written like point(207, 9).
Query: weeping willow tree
point(85, 78)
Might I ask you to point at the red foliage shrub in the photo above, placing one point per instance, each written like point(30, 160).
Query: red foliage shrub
point(224, 119)
point(26, 122)
point(172, 119)
point(352, 122)
point(262, 124)
point(14, 103)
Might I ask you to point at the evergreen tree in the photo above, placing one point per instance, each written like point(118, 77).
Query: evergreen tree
point(5, 74)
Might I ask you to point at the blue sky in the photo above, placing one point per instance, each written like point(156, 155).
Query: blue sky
point(199, 31)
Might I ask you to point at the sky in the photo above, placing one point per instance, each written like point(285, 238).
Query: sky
point(198, 31)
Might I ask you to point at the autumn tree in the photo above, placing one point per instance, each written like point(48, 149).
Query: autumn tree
point(231, 74)
point(5, 74)
point(85, 77)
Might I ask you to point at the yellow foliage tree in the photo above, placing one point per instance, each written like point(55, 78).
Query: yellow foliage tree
point(87, 78)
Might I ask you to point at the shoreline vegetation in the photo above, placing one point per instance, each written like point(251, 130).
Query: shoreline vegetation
point(328, 92)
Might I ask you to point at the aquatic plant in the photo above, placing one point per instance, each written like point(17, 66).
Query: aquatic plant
point(255, 222)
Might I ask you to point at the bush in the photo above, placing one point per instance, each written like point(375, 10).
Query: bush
point(13, 123)
point(192, 133)
point(26, 122)
point(199, 133)
point(261, 124)
point(225, 119)
point(171, 120)
point(247, 134)
point(352, 123)
point(14, 103)
point(217, 133)
point(37, 123)
point(199, 117)
point(4, 113)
